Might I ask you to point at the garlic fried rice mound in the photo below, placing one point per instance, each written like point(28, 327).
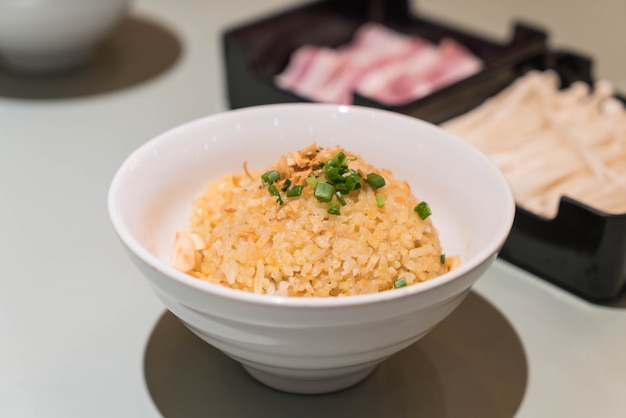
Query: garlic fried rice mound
point(318, 222)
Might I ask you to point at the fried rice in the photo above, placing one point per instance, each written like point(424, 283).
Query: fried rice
point(251, 232)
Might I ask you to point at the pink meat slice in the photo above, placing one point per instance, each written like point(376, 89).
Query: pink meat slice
point(419, 75)
point(327, 75)
point(309, 67)
point(379, 63)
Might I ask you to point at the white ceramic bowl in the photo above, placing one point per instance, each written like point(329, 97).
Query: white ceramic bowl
point(309, 345)
point(43, 36)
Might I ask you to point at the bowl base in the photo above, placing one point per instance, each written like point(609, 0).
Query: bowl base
point(312, 386)
point(43, 64)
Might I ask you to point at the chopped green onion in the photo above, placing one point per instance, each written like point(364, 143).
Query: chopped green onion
point(340, 198)
point(294, 191)
point(337, 161)
point(334, 209)
point(375, 181)
point(324, 191)
point(274, 192)
point(270, 177)
point(333, 174)
point(286, 185)
point(401, 282)
point(336, 180)
point(423, 210)
point(352, 181)
point(442, 259)
point(380, 201)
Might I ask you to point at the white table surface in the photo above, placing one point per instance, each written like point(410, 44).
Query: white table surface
point(75, 315)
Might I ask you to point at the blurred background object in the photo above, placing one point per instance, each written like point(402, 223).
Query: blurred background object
point(47, 36)
point(135, 51)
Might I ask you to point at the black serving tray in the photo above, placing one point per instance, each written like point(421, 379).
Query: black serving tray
point(257, 51)
point(581, 249)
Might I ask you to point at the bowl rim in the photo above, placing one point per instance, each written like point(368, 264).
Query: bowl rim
point(213, 289)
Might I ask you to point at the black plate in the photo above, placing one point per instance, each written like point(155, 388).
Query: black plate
point(473, 364)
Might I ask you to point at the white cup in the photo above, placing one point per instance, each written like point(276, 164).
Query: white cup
point(44, 36)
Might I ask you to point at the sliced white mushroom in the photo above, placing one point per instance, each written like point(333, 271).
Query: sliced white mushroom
point(551, 142)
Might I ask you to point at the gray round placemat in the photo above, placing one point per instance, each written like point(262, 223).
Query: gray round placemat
point(136, 51)
point(471, 365)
